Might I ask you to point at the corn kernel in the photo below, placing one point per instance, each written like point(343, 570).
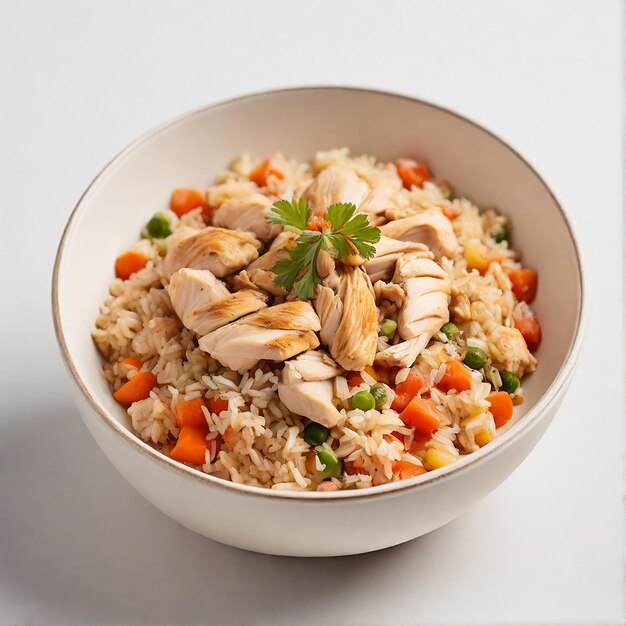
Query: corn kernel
point(435, 459)
point(483, 437)
point(475, 254)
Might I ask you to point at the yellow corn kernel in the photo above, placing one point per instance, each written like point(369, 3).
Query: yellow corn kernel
point(483, 437)
point(435, 459)
point(476, 411)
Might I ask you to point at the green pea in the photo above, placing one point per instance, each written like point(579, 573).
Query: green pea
point(363, 400)
point(388, 328)
point(333, 467)
point(451, 331)
point(501, 235)
point(315, 434)
point(510, 382)
point(379, 394)
point(158, 227)
point(475, 358)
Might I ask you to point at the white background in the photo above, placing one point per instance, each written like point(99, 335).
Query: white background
point(78, 81)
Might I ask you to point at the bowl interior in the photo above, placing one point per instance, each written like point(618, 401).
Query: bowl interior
point(194, 148)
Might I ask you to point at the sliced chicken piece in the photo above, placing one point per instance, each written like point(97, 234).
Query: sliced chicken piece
point(190, 289)
point(335, 184)
point(276, 334)
point(388, 251)
point(248, 213)
point(430, 227)
point(404, 353)
point(424, 309)
point(349, 319)
point(219, 250)
point(296, 315)
point(259, 271)
point(310, 399)
point(315, 365)
point(382, 197)
point(231, 308)
point(203, 303)
point(329, 307)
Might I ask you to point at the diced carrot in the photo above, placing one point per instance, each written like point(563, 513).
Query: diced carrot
point(185, 199)
point(231, 438)
point(217, 405)
point(263, 171)
point(354, 378)
point(317, 222)
point(531, 331)
point(421, 414)
point(191, 445)
point(132, 361)
point(457, 376)
point(405, 470)
point(137, 388)
point(371, 370)
point(406, 391)
point(354, 467)
point(501, 407)
point(449, 212)
point(524, 283)
point(419, 441)
point(128, 263)
point(190, 413)
point(412, 173)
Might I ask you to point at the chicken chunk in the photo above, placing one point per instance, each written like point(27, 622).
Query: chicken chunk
point(424, 309)
point(260, 272)
point(335, 184)
point(349, 319)
point(315, 365)
point(276, 334)
point(312, 399)
point(219, 250)
point(248, 213)
point(429, 227)
point(388, 251)
point(203, 303)
point(382, 197)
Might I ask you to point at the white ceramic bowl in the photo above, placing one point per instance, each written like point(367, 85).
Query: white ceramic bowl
point(190, 150)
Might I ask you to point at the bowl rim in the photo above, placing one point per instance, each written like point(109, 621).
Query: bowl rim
point(424, 481)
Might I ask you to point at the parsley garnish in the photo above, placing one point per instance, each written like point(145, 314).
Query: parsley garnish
point(349, 234)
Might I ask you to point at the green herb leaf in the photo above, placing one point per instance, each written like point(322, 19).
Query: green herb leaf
point(352, 234)
point(299, 271)
point(294, 213)
point(349, 234)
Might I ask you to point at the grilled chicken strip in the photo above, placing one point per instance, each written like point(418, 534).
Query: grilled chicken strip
point(335, 184)
point(247, 213)
point(275, 333)
point(219, 250)
point(424, 309)
point(349, 319)
point(203, 303)
point(312, 399)
point(430, 227)
point(388, 251)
